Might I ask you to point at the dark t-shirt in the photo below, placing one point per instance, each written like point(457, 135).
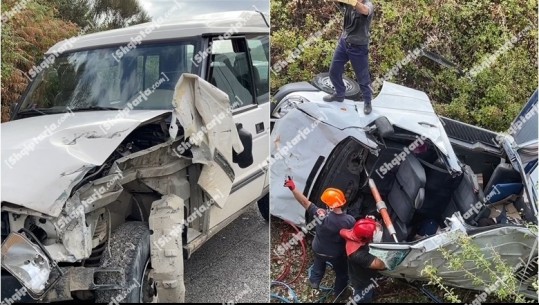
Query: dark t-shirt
point(328, 241)
point(358, 268)
point(356, 28)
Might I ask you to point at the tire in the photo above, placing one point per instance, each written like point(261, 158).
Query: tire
point(263, 207)
point(322, 82)
point(130, 251)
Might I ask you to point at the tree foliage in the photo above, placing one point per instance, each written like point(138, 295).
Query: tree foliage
point(25, 37)
point(467, 33)
point(113, 14)
point(29, 33)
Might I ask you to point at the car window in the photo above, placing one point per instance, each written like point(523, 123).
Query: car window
point(143, 78)
point(259, 49)
point(155, 67)
point(230, 71)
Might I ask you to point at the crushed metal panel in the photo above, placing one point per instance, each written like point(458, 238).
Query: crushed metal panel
point(297, 141)
point(42, 164)
point(412, 110)
point(513, 243)
point(204, 113)
point(76, 237)
point(166, 223)
point(404, 107)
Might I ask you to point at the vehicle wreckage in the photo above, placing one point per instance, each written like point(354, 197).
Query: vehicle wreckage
point(467, 180)
point(116, 171)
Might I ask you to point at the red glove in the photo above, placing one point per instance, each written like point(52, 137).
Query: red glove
point(289, 183)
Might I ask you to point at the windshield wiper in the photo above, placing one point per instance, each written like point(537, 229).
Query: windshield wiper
point(37, 110)
point(89, 108)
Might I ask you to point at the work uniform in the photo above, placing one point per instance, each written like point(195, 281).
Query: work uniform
point(353, 46)
point(362, 278)
point(329, 246)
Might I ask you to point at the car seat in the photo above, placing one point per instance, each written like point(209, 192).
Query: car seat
point(406, 196)
point(467, 198)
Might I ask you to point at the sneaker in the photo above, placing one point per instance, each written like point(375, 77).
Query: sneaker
point(344, 296)
point(367, 108)
point(333, 98)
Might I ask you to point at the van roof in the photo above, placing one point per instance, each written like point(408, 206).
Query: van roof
point(215, 23)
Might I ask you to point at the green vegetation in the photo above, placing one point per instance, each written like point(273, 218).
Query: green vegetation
point(29, 33)
point(466, 33)
point(502, 284)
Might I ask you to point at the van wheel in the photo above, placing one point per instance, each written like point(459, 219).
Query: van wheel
point(322, 82)
point(129, 251)
point(263, 207)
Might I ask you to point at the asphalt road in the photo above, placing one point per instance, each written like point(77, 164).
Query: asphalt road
point(233, 266)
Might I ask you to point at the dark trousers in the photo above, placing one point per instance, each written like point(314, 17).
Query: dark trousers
point(340, 266)
point(358, 55)
point(363, 294)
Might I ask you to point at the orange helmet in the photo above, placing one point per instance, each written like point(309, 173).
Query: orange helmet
point(333, 198)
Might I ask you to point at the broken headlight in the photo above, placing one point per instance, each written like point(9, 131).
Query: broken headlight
point(28, 263)
point(286, 105)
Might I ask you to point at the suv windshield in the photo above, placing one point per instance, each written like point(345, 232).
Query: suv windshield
point(112, 78)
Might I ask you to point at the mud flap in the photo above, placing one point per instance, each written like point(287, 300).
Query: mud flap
point(204, 112)
point(166, 224)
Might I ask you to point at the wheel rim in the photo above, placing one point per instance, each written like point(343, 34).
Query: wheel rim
point(148, 292)
point(327, 82)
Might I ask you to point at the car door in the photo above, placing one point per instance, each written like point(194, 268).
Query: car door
point(231, 69)
point(513, 243)
point(523, 153)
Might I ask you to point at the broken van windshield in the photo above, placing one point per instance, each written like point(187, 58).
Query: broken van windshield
point(114, 77)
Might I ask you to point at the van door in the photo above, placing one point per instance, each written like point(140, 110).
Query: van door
point(231, 69)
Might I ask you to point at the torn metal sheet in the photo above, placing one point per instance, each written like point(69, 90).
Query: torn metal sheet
point(404, 107)
point(295, 148)
point(204, 113)
point(166, 222)
point(39, 171)
point(512, 243)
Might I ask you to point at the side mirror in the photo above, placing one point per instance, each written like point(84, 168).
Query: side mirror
point(384, 127)
point(245, 158)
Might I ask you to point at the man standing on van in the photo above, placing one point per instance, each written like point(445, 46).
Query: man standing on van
point(353, 46)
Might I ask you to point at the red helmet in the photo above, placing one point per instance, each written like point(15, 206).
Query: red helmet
point(364, 229)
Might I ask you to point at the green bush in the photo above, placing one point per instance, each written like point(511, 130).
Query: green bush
point(502, 283)
point(39, 25)
point(466, 33)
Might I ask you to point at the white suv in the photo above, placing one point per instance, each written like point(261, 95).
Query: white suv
point(128, 151)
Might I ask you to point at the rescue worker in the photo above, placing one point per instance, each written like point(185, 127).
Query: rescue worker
point(362, 265)
point(328, 246)
point(353, 46)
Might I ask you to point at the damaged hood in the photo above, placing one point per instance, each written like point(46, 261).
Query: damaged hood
point(44, 157)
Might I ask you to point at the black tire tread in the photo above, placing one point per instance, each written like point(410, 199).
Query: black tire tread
point(264, 207)
point(354, 93)
point(129, 243)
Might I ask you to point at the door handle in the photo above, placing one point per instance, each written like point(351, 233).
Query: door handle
point(259, 127)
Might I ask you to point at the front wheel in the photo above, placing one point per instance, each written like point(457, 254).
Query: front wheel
point(130, 251)
point(263, 207)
